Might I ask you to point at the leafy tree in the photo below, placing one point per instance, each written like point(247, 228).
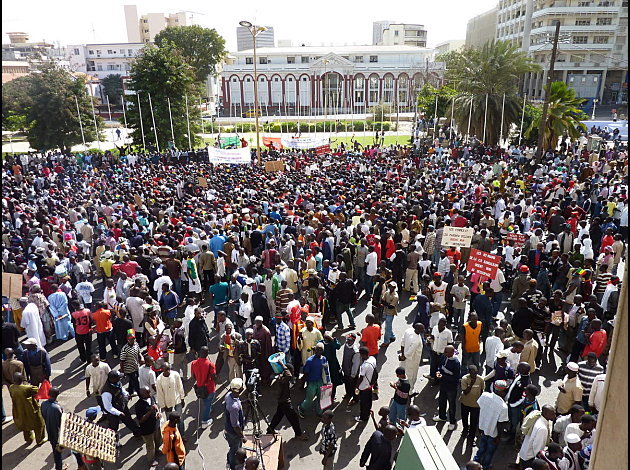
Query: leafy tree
point(563, 116)
point(163, 73)
point(532, 112)
point(16, 97)
point(112, 87)
point(426, 100)
point(49, 111)
point(202, 48)
point(493, 70)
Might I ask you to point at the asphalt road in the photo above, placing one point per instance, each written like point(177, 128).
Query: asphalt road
point(67, 374)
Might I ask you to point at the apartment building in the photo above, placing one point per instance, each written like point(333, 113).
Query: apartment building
point(393, 33)
point(245, 41)
point(144, 28)
point(101, 60)
point(481, 29)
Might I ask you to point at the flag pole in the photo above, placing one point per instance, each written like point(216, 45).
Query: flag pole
point(188, 124)
point(469, 118)
point(109, 110)
point(157, 144)
point(435, 118)
point(98, 140)
point(144, 148)
point(520, 134)
point(203, 127)
point(80, 124)
point(122, 97)
point(170, 118)
point(485, 119)
point(502, 114)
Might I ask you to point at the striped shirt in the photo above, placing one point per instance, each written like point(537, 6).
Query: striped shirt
point(587, 375)
point(130, 358)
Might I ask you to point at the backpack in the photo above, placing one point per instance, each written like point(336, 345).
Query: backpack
point(374, 379)
point(529, 421)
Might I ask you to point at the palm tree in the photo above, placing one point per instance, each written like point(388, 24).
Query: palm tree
point(563, 115)
point(492, 70)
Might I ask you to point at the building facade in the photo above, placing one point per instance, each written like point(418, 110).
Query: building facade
point(393, 33)
point(144, 28)
point(592, 54)
point(245, 41)
point(481, 29)
point(451, 45)
point(101, 60)
point(12, 69)
point(326, 80)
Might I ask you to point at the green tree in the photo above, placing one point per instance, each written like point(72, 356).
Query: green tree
point(50, 110)
point(163, 73)
point(563, 116)
point(426, 100)
point(494, 70)
point(112, 87)
point(202, 48)
point(381, 111)
point(16, 97)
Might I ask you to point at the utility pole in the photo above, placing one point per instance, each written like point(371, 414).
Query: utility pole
point(543, 117)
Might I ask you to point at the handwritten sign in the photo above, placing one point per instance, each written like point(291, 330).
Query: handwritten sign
point(519, 238)
point(201, 181)
point(459, 237)
point(275, 165)
point(483, 263)
point(12, 285)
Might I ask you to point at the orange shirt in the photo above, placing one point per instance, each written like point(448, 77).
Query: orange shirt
point(472, 337)
point(172, 445)
point(370, 336)
point(103, 320)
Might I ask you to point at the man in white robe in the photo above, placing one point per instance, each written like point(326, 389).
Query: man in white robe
point(411, 352)
point(32, 323)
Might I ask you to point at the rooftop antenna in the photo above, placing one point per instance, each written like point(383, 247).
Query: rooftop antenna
point(93, 32)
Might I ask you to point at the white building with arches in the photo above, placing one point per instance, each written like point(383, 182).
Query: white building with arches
point(326, 80)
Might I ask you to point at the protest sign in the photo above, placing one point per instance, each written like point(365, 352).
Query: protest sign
point(87, 437)
point(201, 181)
point(274, 165)
point(12, 285)
point(459, 237)
point(305, 142)
point(483, 263)
point(137, 199)
point(240, 155)
point(519, 238)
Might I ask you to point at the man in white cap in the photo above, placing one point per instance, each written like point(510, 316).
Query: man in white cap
point(32, 322)
point(234, 420)
point(569, 460)
point(160, 281)
point(570, 390)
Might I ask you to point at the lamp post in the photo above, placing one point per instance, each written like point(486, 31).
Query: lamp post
point(255, 30)
point(595, 101)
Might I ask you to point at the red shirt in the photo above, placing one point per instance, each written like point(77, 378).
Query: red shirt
point(459, 221)
point(82, 320)
point(596, 343)
point(203, 370)
point(370, 336)
point(103, 320)
point(130, 268)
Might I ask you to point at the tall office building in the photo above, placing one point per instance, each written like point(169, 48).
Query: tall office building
point(394, 33)
point(244, 40)
point(592, 55)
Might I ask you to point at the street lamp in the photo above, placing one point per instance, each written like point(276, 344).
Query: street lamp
point(595, 101)
point(255, 30)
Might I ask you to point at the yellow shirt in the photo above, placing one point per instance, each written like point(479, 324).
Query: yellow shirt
point(573, 393)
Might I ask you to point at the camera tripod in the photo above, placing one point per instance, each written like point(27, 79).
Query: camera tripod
point(254, 413)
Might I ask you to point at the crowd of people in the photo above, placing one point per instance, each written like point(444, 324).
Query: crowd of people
point(159, 254)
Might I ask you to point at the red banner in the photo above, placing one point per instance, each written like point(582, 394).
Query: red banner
point(519, 238)
point(322, 150)
point(272, 141)
point(483, 263)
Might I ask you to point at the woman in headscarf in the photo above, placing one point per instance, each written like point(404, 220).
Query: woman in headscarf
point(36, 297)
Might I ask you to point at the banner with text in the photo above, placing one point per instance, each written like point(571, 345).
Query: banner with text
point(483, 263)
point(304, 142)
point(459, 237)
point(236, 156)
point(519, 238)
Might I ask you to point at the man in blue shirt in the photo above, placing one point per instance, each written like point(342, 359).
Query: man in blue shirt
point(315, 369)
point(169, 303)
point(216, 243)
point(234, 420)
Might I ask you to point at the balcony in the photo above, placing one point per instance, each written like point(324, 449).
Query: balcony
point(559, 10)
point(593, 28)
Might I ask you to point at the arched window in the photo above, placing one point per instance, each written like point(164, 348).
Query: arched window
point(373, 83)
point(388, 89)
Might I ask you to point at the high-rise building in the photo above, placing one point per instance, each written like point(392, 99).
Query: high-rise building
point(592, 55)
point(481, 29)
point(146, 27)
point(449, 46)
point(394, 33)
point(245, 41)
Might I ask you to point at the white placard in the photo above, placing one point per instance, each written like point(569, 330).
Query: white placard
point(304, 142)
point(459, 237)
point(236, 156)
